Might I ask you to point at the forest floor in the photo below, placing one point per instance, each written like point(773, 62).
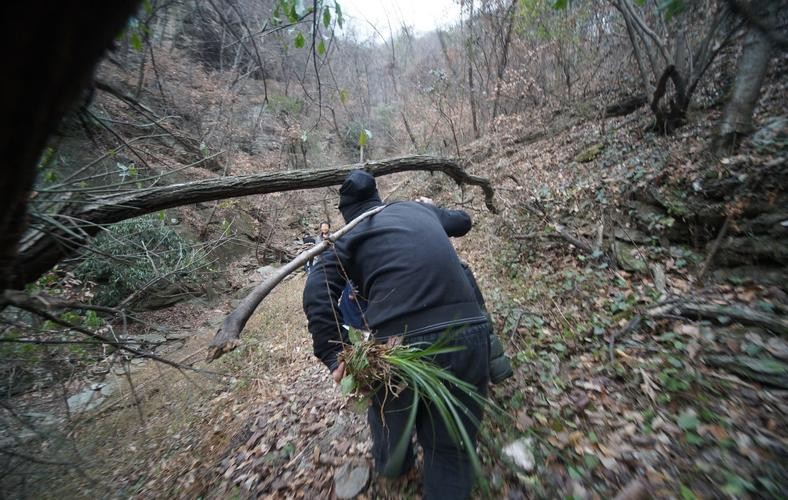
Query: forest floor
point(617, 389)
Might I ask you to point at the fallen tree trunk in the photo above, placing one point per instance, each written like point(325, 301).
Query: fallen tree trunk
point(625, 106)
point(723, 314)
point(764, 370)
point(42, 248)
point(228, 336)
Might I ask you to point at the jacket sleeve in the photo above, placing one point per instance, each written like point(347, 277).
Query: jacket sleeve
point(454, 222)
point(321, 294)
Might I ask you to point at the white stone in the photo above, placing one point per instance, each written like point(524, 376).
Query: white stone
point(520, 452)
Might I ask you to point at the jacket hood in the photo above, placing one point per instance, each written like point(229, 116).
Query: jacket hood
point(358, 194)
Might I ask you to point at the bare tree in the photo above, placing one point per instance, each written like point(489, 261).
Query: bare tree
point(675, 54)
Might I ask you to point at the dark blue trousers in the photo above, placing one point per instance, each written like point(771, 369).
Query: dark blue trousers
point(448, 473)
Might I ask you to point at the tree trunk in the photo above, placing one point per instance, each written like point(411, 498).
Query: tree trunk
point(673, 114)
point(504, 57)
point(472, 99)
point(754, 61)
point(648, 89)
point(42, 248)
point(52, 48)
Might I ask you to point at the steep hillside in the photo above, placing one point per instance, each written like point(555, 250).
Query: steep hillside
point(633, 373)
point(636, 280)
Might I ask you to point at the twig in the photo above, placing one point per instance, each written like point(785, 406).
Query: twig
point(26, 303)
point(581, 244)
point(714, 248)
point(513, 331)
point(632, 325)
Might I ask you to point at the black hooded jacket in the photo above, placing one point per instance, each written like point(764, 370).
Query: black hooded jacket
point(403, 264)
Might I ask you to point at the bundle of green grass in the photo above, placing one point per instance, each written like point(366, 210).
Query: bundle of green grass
point(394, 367)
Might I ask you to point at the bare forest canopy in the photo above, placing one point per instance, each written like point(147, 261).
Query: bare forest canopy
point(163, 162)
point(292, 68)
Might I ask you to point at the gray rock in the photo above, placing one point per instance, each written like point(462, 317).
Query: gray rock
point(629, 258)
point(266, 271)
point(520, 452)
point(351, 480)
point(108, 388)
point(84, 401)
point(630, 234)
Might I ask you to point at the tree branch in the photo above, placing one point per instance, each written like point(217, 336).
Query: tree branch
point(228, 336)
point(33, 305)
point(43, 249)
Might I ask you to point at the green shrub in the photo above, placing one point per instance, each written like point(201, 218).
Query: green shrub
point(134, 253)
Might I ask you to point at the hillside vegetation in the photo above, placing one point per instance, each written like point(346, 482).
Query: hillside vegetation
point(635, 262)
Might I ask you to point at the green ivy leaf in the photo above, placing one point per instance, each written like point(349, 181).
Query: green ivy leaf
point(321, 48)
point(299, 40)
point(338, 12)
point(688, 421)
point(292, 15)
point(686, 493)
point(136, 41)
point(343, 96)
point(347, 385)
point(574, 473)
point(693, 439)
point(363, 136)
point(671, 8)
point(326, 17)
point(50, 176)
point(355, 336)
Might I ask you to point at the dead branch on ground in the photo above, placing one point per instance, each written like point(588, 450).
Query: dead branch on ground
point(721, 314)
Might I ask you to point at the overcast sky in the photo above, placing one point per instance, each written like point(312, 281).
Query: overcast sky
point(421, 15)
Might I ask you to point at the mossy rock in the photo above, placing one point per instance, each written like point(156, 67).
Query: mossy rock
point(629, 258)
point(590, 153)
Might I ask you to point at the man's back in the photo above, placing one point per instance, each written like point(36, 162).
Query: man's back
point(404, 265)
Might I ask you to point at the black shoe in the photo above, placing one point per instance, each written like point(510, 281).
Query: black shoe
point(500, 367)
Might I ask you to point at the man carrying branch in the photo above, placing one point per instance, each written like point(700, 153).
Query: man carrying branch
point(404, 265)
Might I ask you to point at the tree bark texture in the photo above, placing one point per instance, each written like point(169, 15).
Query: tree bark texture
point(52, 49)
point(471, 98)
point(625, 106)
point(42, 249)
point(754, 61)
point(504, 57)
